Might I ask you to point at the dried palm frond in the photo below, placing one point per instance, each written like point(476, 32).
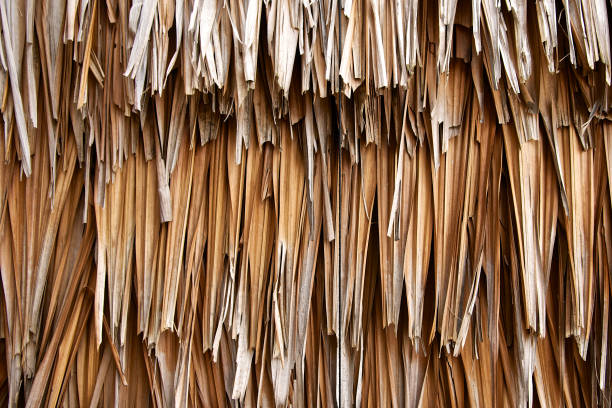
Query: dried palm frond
point(295, 203)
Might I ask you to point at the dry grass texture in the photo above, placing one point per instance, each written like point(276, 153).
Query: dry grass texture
point(221, 202)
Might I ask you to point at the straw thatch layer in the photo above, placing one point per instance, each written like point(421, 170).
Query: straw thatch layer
point(305, 203)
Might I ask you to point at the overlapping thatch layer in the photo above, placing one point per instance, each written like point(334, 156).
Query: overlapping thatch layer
point(305, 203)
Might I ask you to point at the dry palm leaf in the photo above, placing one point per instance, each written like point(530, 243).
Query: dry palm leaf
point(305, 203)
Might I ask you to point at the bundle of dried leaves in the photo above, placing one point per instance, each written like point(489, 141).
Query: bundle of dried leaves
point(305, 203)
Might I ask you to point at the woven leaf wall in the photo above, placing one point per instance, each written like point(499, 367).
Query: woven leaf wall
point(305, 203)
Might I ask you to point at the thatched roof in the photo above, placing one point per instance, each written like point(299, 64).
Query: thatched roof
point(305, 203)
